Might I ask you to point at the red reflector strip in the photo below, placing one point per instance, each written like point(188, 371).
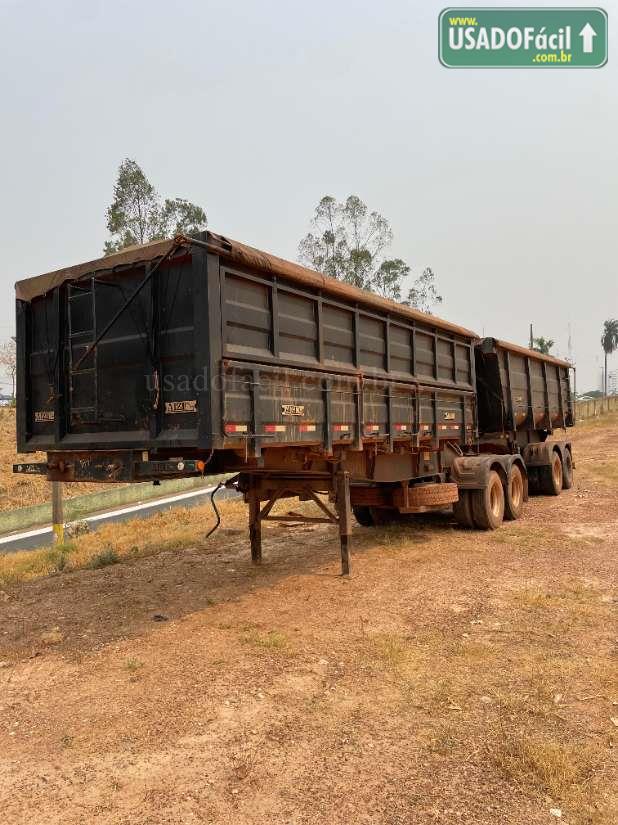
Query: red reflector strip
point(274, 428)
point(341, 428)
point(401, 427)
point(235, 428)
point(372, 428)
point(306, 428)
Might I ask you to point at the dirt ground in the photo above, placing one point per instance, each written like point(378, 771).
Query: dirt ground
point(457, 677)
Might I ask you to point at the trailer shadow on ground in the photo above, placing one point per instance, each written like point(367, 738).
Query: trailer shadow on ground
point(90, 608)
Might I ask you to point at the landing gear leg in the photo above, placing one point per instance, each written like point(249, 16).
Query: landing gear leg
point(255, 524)
point(344, 512)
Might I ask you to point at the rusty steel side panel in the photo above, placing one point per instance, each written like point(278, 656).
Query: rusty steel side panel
point(210, 356)
point(521, 391)
point(265, 320)
point(268, 406)
point(267, 263)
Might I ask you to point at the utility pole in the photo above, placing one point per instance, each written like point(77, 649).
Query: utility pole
point(57, 512)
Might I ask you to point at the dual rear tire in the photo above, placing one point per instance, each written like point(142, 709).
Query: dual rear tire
point(488, 504)
point(558, 476)
point(486, 509)
point(550, 478)
point(567, 470)
point(515, 494)
point(375, 516)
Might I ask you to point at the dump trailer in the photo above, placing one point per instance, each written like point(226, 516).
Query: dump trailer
point(201, 354)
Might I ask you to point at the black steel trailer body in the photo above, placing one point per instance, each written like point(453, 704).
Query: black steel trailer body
point(199, 354)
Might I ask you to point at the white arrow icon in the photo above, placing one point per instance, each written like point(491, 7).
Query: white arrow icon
point(586, 34)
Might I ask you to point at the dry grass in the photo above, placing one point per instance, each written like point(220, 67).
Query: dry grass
point(172, 530)
point(559, 769)
point(390, 650)
point(23, 490)
point(606, 472)
point(272, 640)
point(517, 683)
point(601, 422)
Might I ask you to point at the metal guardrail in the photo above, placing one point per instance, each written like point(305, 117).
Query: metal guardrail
point(595, 407)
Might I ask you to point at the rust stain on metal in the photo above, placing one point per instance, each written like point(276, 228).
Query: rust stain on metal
point(241, 255)
point(531, 353)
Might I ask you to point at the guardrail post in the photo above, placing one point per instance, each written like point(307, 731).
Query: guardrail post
point(57, 512)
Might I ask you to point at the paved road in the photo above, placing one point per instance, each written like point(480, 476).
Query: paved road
point(41, 536)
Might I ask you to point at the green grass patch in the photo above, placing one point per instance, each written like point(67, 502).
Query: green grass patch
point(271, 640)
point(103, 559)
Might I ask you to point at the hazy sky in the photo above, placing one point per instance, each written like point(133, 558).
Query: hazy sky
point(505, 182)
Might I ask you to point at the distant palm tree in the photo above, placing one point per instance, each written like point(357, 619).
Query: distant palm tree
point(609, 342)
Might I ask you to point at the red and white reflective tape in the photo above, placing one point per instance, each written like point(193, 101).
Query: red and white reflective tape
point(274, 428)
point(235, 428)
point(341, 428)
point(306, 428)
point(372, 428)
point(426, 427)
point(402, 428)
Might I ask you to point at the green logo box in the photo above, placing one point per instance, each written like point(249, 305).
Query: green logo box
point(523, 38)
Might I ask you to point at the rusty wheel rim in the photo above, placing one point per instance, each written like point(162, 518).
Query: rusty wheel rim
point(495, 500)
point(517, 490)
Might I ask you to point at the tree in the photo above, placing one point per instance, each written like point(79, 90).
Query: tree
point(8, 362)
point(423, 294)
point(348, 242)
point(543, 345)
point(137, 214)
point(609, 342)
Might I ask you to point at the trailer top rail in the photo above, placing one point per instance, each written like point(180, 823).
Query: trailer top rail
point(488, 344)
point(238, 253)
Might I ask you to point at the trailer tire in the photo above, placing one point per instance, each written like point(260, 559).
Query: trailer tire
point(488, 504)
point(462, 509)
point(363, 516)
point(385, 515)
point(552, 477)
point(514, 493)
point(534, 481)
point(567, 470)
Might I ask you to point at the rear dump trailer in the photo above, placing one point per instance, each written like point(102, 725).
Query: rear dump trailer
point(205, 355)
